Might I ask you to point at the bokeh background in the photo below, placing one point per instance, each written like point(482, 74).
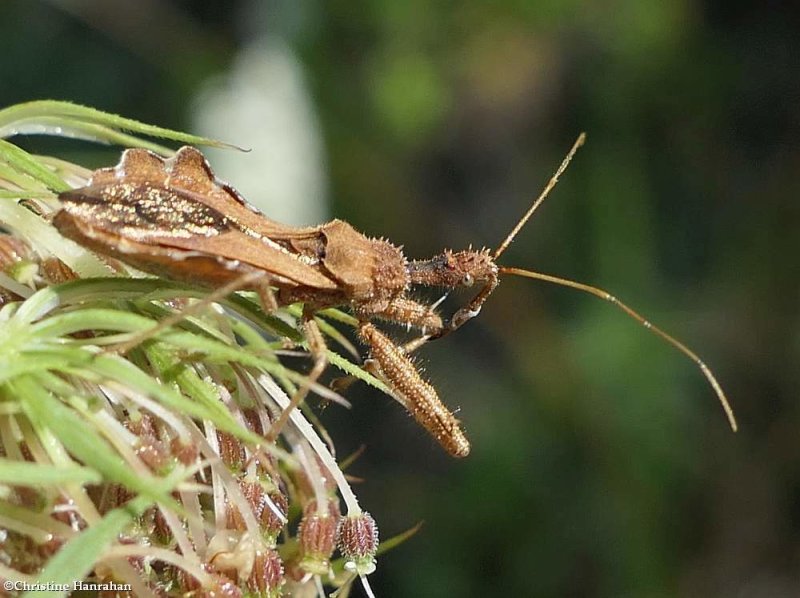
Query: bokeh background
point(601, 464)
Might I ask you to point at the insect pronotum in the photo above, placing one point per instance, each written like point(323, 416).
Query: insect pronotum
point(175, 219)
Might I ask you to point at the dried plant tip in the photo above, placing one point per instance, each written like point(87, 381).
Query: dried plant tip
point(13, 250)
point(185, 581)
point(185, 452)
point(55, 271)
point(18, 261)
point(28, 554)
point(259, 501)
point(142, 424)
point(30, 497)
point(266, 578)
point(155, 454)
point(254, 494)
point(231, 451)
point(358, 542)
point(115, 496)
point(220, 586)
point(317, 537)
point(160, 532)
point(271, 524)
point(253, 419)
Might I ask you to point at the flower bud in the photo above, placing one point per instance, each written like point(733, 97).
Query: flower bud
point(254, 495)
point(184, 451)
point(266, 578)
point(220, 585)
point(271, 523)
point(259, 500)
point(358, 542)
point(231, 451)
point(154, 454)
point(317, 537)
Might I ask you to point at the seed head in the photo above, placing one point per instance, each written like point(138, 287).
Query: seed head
point(231, 451)
point(358, 542)
point(266, 578)
point(185, 452)
point(317, 537)
point(259, 501)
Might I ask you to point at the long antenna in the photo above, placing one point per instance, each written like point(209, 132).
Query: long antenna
point(597, 292)
point(552, 183)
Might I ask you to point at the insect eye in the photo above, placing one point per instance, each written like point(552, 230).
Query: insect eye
point(468, 280)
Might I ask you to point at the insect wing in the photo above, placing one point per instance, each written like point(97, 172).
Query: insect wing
point(189, 172)
point(139, 222)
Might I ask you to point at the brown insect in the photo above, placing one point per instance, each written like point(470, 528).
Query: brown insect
point(173, 218)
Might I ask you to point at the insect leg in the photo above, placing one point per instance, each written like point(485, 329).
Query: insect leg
point(412, 314)
point(414, 393)
point(318, 350)
point(472, 309)
point(371, 366)
point(408, 312)
point(267, 297)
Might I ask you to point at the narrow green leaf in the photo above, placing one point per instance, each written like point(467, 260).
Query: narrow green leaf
point(90, 319)
point(356, 371)
point(339, 316)
point(157, 289)
point(60, 126)
point(7, 194)
point(398, 539)
point(32, 520)
point(77, 558)
point(17, 365)
point(23, 473)
point(81, 440)
point(27, 164)
point(124, 372)
point(13, 118)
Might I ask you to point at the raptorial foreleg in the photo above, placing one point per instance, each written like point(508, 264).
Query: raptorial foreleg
point(414, 393)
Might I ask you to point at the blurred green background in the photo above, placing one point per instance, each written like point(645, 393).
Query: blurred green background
point(601, 463)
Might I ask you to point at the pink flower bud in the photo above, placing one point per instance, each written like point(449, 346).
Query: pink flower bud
point(266, 578)
point(317, 537)
point(358, 542)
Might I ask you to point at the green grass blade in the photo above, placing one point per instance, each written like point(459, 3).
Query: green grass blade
point(78, 556)
point(87, 131)
point(23, 473)
point(28, 113)
point(124, 372)
point(81, 441)
point(22, 161)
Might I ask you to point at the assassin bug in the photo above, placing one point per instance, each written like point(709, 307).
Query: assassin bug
point(175, 219)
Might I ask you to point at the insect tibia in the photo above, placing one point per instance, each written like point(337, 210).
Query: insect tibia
point(419, 397)
point(602, 294)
